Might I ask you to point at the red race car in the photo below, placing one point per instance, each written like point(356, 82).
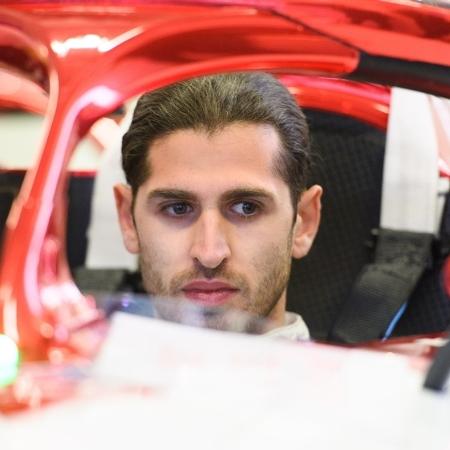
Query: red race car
point(347, 63)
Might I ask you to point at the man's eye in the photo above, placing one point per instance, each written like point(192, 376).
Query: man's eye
point(245, 208)
point(178, 209)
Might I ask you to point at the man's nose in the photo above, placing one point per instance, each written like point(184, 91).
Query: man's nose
point(210, 246)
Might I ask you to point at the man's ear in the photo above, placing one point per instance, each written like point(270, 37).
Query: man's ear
point(124, 203)
point(307, 222)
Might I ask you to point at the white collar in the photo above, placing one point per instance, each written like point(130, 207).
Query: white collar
point(294, 328)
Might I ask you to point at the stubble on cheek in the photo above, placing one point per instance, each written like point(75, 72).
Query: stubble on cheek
point(260, 288)
point(274, 268)
point(149, 262)
point(154, 267)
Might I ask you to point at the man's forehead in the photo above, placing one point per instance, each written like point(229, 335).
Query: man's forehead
point(240, 144)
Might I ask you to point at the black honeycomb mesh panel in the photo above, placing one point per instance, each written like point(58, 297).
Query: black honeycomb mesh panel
point(349, 166)
point(428, 310)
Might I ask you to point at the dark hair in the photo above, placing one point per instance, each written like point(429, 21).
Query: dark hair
point(210, 103)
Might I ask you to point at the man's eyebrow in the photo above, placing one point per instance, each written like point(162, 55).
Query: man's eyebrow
point(170, 194)
point(247, 192)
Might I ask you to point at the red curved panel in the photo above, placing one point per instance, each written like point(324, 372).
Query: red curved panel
point(98, 57)
point(397, 29)
point(18, 92)
point(368, 103)
point(39, 292)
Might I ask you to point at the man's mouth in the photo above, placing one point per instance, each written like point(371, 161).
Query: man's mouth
point(209, 292)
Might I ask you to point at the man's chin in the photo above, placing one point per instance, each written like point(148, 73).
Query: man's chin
point(228, 312)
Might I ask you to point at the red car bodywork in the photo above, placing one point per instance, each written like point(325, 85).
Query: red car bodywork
point(92, 58)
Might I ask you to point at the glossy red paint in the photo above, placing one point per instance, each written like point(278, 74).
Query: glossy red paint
point(17, 92)
point(424, 347)
point(397, 29)
point(91, 58)
point(90, 74)
point(366, 102)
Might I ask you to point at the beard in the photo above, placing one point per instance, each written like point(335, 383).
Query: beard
point(258, 298)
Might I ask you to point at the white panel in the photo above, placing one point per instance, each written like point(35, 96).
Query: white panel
point(410, 177)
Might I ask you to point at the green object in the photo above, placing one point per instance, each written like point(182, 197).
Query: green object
point(9, 360)
point(7, 376)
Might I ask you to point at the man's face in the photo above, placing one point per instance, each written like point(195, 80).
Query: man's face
point(214, 222)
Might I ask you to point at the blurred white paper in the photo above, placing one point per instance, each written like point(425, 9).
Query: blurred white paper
point(162, 353)
point(207, 389)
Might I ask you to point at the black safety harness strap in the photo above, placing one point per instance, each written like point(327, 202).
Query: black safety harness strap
point(411, 211)
point(383, 288)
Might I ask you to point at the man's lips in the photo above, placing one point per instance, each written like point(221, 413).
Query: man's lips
point(209, 292)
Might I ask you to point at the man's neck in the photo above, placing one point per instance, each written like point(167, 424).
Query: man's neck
point(278, 311)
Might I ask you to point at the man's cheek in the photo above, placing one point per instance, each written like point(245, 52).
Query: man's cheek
point(270, 256)
point(169, 252)
point(153, 253)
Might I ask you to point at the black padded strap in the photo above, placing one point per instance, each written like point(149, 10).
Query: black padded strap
point(439, 370)
point(382, 289)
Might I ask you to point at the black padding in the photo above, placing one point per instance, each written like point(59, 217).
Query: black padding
point(350, 165)
point(428, 309)
point(420, 76)
point(439, 370)
point(79, 216)
point(383, 288)
point(6, 199)
point(97, 280)
point(10, 183)
point(433, 314)
point(108, 280)
point(79, 206)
